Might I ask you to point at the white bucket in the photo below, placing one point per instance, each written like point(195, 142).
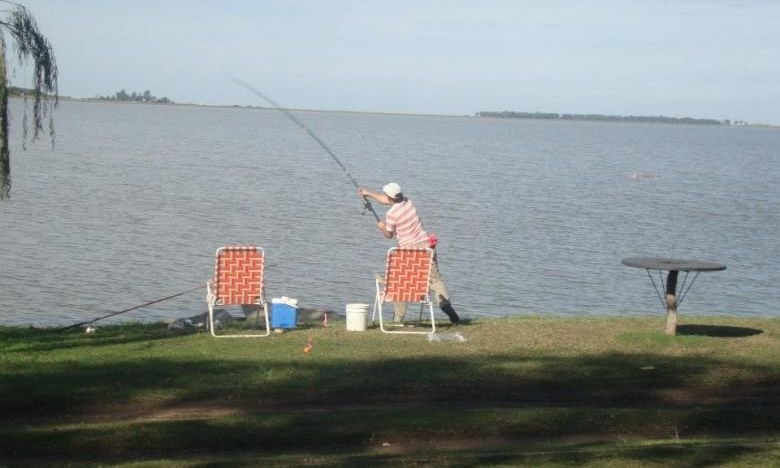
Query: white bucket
point(356, 317)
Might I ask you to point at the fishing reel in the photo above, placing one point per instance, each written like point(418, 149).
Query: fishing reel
point(366, 207)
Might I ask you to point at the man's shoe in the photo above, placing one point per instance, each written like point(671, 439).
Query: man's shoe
point(446, 307)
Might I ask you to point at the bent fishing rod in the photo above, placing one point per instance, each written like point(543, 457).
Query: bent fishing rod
point(367, 204)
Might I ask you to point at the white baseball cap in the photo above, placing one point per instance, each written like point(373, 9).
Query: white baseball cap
point(392, 189)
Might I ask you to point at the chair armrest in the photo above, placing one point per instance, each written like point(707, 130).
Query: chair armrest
point(211, 294)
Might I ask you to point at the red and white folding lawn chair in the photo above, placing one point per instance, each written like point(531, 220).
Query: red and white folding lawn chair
point(407, 279)
point(238, 280)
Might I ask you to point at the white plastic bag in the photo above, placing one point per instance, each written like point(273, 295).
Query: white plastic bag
point(432, 337)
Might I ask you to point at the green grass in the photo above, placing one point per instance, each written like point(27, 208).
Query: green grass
point(530, 391)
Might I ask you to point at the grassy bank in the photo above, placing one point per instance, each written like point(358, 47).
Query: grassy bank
point(526, 391)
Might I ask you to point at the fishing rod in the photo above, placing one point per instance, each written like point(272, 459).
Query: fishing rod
point(366, 203)
point(76, 325)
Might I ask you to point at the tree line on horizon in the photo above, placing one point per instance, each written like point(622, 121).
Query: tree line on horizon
point(146, 96)
point(606, 118)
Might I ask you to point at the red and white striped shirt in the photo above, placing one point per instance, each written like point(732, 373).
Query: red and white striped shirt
point(402, 220)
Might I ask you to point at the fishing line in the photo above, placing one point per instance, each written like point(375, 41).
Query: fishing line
point(366, 204)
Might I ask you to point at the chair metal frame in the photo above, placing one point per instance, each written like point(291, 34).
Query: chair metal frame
point(393, 286)
point(238, 280)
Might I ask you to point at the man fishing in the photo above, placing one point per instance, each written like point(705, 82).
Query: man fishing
point(401, 221)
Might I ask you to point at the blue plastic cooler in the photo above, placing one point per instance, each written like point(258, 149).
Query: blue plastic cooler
point(283, 315)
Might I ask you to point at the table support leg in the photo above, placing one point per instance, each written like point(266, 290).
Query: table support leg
point(671, 303)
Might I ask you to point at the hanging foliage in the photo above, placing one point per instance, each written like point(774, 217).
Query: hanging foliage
point(30, 45)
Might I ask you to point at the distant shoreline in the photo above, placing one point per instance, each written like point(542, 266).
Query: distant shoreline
point(478, 115)
point(249, 107)
point(611, 118)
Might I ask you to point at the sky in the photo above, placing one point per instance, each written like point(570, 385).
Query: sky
point(687, 58)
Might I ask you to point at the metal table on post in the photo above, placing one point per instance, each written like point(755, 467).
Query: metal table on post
point(673, 267)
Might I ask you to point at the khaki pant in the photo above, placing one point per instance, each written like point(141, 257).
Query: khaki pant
point(437, 285)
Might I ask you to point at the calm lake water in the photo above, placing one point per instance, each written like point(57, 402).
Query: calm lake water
point(533, 217)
